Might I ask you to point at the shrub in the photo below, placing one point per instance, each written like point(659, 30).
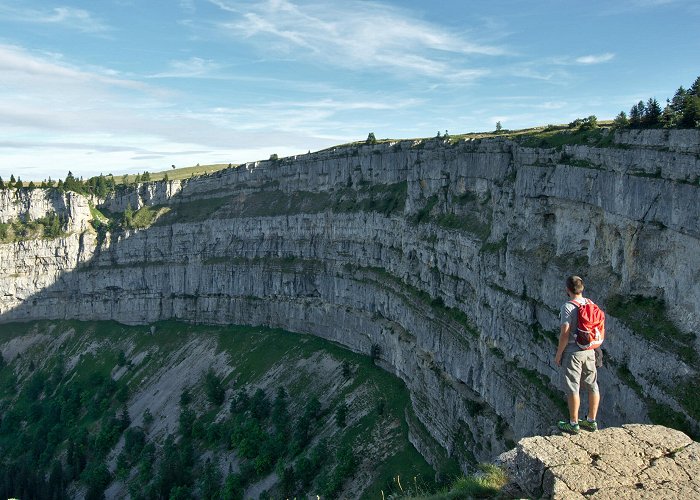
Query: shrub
point(259, 405)
point(185, 397)
point(346, 368)
point(588, 123)
point(486, 484)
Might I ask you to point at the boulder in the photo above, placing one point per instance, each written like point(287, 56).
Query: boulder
point(632, 461)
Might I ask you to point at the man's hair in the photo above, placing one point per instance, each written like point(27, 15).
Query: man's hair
point(574, 284)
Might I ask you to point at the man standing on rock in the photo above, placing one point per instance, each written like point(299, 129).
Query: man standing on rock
point(579, 365)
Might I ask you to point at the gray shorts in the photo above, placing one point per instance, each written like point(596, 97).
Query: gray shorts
point(579, 366)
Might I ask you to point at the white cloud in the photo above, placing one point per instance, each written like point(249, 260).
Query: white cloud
point(69, 17)
point(55, 116)
point(21, 67)
point(595, 59)
point(194, 67)
point(356, 35)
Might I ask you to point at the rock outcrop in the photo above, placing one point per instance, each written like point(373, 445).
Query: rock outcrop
point(36, 203)
point(445, 258)
point(628, 462)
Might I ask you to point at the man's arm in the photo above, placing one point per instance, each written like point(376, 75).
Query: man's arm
point(563, 341)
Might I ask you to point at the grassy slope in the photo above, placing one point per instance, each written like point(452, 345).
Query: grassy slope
point(256, 355)
point(184, 172)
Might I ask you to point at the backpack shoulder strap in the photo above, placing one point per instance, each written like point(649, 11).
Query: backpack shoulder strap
point(584, 303)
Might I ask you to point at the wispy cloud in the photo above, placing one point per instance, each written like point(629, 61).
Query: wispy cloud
point(188, 6)
point(69, 17)
point(595, 58)
point(329, 118)
point(93, 119)
point(194, 67)
point(22, 67)
point(357, 35)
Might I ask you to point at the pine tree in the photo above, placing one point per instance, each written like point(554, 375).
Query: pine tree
point(668, 118)
point(677, 101)
point(341, 414)
point(652, 113)
point(124, 418)
point(71, 183)
point(691, 112)
point(687, 105)
point(636, 114)
point(215, 390)
point(621, 120)
point(99, 186)
point(2, 184)
point(695, 88)
point(371, 139)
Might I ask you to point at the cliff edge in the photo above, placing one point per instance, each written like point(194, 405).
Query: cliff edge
point(632, 461)
point(442, 259)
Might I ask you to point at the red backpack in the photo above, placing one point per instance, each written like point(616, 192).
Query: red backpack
point(590, 332)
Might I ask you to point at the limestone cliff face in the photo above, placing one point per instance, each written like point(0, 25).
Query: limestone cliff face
point(29, 205)
point(448, 257)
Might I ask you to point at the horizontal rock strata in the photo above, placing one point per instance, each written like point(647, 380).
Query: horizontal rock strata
point(449, 258)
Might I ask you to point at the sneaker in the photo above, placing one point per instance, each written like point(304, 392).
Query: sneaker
point(589, 426)
point(566, 426)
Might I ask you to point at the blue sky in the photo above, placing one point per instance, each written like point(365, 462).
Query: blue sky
point(127, 86)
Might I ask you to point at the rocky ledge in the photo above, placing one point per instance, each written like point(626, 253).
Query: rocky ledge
point(632, 461)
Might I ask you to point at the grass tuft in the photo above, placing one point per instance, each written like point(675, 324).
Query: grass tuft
point(488, 482)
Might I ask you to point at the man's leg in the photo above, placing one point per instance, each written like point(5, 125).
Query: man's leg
point(590, 381)
point(572, 377)
point(574, 401)
point(593, 401)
